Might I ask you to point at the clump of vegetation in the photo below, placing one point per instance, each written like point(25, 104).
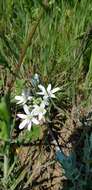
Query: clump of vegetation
point(45, 42)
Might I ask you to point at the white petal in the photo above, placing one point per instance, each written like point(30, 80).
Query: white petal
point(22, 116)
point(42, 105)
point(19, 102)
point(53, 96)
point(20, 99)
point(23, 124)
point(40, 116)
point(26, 109)
point(40, 93)
point(35, 106)
point(29, 98)
point(35, 121)
point(29, 126)
point(42, 88)
point(17, 97)
point(55, 90)
point(49, 88)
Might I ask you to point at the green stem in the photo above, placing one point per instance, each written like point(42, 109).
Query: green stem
point(6, 167)
point(6, 161)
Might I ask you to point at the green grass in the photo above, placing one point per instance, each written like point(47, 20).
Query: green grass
point(59, 50)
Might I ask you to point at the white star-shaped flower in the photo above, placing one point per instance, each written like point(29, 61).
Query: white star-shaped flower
point(23, 98)
point(39, 111)
point(47, 93)
point(28, 119)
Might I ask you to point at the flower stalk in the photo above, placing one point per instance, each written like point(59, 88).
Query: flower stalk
point(6, 163)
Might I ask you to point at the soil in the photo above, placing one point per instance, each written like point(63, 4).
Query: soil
point(46, 173)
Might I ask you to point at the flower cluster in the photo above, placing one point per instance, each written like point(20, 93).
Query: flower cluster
point(35, 106)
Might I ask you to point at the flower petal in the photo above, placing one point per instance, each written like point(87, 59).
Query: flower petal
point(23, 124)
point(40, 116)
point(22, 116)
point(20, 102)
point(42, 105)
point(26, 109)
point(55, 90)
point(17, 97)
point(35, 121)
point(42, 88)
point(40, 93)
point(29, 126)
point(49, 88)
point(29, 97)
point(53, 96)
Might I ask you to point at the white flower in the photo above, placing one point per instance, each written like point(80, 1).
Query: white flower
point(47, 93)
point(28, 118)
point(23, 98)
point(39, 111)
